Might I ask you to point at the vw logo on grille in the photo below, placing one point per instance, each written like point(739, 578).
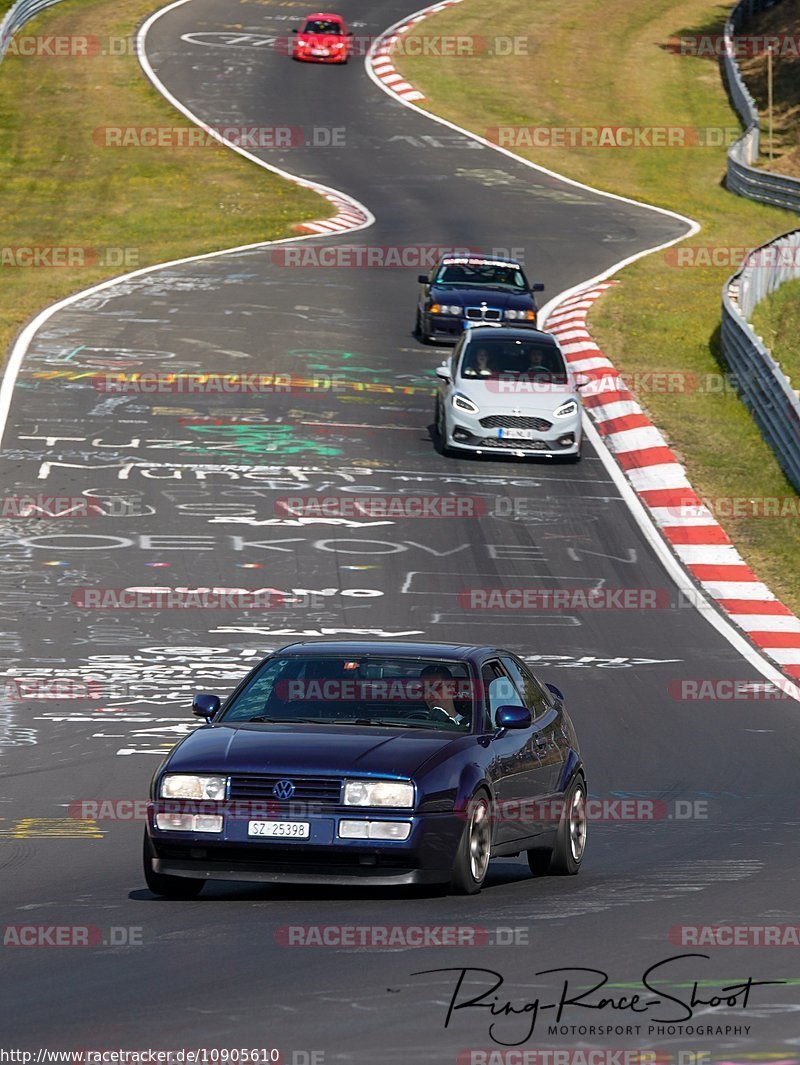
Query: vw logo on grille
point(284, 789)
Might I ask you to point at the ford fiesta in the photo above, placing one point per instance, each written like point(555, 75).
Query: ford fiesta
point(382, 763)
point(473, 289)
point(508, 391)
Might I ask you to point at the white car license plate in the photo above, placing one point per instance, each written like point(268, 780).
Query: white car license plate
point(320, 51)
point(516, 434)
point(279, 829)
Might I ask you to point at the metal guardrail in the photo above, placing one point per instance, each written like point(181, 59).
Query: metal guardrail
point(744, 177)
point(17, 16)
point(765, 390)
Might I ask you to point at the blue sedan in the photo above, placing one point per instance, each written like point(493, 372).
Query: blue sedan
point(361, 762)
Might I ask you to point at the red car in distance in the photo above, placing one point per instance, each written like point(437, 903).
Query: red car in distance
point(323, 39)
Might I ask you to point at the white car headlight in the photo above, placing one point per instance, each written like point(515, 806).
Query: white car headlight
point(378, 793)
point(566, 409)
point(527, 316)
point(185, 786)
point(462, 402)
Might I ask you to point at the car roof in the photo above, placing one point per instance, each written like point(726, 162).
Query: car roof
point(509, 332)
point(387, 648)
point(325, 14)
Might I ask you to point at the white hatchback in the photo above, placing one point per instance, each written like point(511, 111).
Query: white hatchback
point(509, 391)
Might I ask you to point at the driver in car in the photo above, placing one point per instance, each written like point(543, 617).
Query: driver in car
point(439, 689)
point(479, 367)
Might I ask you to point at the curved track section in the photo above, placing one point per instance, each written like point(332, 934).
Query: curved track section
point(185, 487)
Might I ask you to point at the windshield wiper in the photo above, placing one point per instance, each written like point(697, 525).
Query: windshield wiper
point(285, 720)
point(382, 724)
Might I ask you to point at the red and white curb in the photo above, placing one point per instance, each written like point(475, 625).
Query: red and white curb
point(660, 482)
point(380, 57)
point(349, 214)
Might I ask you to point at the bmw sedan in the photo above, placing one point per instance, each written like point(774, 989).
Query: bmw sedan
point(360, 762)
point(509, 392)
point(473, 289)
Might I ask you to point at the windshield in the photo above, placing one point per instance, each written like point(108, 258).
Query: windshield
point(475, 273)
point(515, 361)
point(318, 25)
point(367, 690)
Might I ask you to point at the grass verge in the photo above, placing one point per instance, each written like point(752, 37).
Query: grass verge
point(777, 320)
point(610, 63)
point(128, 207)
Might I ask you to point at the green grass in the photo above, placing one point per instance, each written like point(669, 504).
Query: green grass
point(608, 62)
point(59, 188)
point(777, 321)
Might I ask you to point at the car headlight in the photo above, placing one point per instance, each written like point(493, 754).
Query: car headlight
point(184, 786)
point(566, 409)
point(378, 793)
point(462, 402)
point(445, 308)
point(524, 316)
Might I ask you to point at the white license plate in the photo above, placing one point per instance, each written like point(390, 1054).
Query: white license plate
point(516, 434)
point(320, 51)
point(279, 829)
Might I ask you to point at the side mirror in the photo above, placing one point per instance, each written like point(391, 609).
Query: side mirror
point(205, 705)
point(582, 380)
point(513, 717)
point(556, 691)
point(422, 278)
point(443, 373)
point(537, 287)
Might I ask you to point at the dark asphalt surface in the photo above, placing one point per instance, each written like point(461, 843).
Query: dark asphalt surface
point(187, 485)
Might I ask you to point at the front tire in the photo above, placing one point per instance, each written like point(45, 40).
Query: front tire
point(441, 429)
point(567, 853)
point(170, 887)
point(474, 850)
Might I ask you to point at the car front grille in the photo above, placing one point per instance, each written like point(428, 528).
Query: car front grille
point(483, 314)
point(512, 445)
point(306, 789)
point(513, 421)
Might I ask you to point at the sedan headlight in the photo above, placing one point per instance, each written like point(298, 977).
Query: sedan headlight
point(184, 786)
point(445, 308)
point(566, 409)
point(378, 793)
point(524, 316)
point(462, 402)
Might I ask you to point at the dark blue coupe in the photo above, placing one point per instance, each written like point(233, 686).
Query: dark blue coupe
point(383, 763)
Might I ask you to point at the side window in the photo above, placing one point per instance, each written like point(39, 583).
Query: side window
point(498, 690)
point(456, 356)
point(533, 696)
